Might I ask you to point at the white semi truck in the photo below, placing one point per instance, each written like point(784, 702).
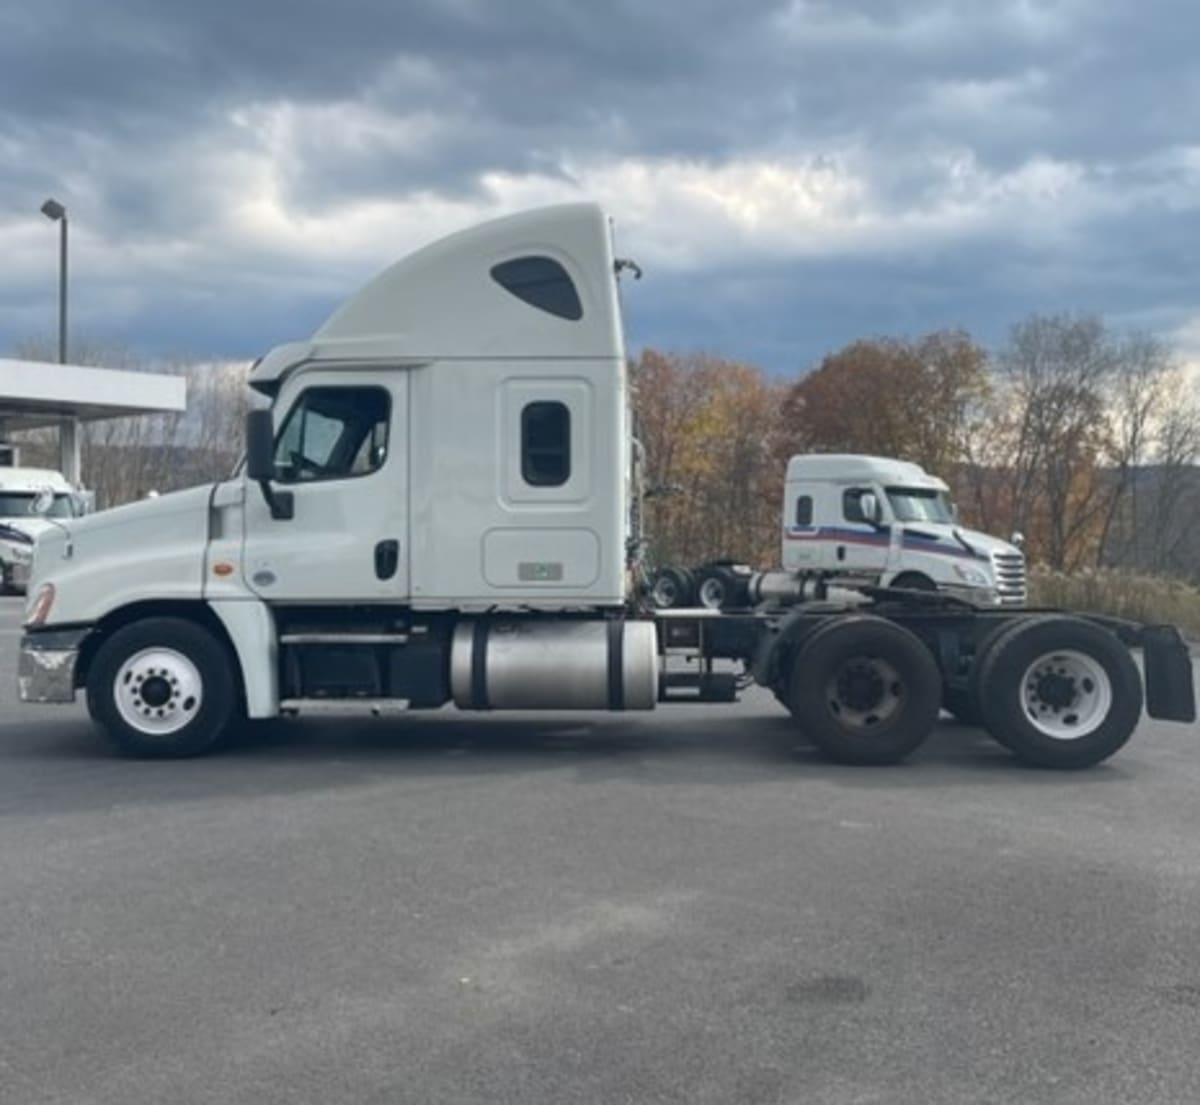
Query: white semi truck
point(855, 520)
point(20, 527)
point(440, 506)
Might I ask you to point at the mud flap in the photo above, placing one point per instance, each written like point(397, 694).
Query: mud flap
point(1170, 692)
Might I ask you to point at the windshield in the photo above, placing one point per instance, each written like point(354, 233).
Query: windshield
point(911, 504)
point(16, 504)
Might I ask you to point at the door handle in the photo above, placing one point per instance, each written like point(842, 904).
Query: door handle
point(387, 558)
point(841, 552)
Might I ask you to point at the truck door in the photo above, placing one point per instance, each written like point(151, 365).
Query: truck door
point(861, 547)
point(341, 451)
point(802, 547)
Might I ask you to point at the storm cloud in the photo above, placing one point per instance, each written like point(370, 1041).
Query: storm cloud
point(791, 174)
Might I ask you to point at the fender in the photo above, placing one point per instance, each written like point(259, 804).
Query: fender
point(252, 631)
point(782, 640)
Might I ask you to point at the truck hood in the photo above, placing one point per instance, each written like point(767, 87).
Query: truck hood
point(31, 525)
point(983, 544)
point(151, 548)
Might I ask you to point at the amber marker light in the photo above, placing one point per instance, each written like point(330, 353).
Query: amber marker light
point(39, 609)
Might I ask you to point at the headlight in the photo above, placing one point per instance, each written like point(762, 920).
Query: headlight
point(972, 577)
point(21, 555)
point(39, 610)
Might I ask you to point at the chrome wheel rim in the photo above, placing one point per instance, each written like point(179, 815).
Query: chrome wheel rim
point(158, 691)
point(1066, 695)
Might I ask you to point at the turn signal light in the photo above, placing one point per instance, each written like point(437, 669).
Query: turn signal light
point(39, 609)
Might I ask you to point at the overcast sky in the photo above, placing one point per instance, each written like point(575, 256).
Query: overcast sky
point(791, 175)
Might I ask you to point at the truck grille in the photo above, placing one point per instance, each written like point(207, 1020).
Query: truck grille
point(1010, 578)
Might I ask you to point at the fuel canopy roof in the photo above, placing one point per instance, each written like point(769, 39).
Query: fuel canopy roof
point(39, 393)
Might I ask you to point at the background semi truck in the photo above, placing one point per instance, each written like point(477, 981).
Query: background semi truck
point(20, 527)
point(853, 520)
point(442, 505)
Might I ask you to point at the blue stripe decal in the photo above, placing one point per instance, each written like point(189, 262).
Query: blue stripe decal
point(914, 542)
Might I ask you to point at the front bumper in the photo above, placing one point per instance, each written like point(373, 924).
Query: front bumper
point(46, 667)
point(976, 596)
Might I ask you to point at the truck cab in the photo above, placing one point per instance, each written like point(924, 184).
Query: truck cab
point(888, 522)
point(20, 526)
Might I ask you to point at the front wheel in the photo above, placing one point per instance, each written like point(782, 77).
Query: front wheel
point(865, 690)
point(1060, 692)
point(162, 688)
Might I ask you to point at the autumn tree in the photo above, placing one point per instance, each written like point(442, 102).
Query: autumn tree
point(893, 397)
point(709, 431)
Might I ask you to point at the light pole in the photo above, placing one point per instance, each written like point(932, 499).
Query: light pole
point(68, 428)
point(55, 212)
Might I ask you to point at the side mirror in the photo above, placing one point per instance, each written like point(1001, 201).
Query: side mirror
point(260, 463)
point(42, 501)
point(871, 509)
point(260, 446)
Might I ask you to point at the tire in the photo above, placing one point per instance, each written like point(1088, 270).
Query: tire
point(671, 588)
point(162, 688)
point(865, 690)
point(913, 581)
point(983, 650)
point(1060, 692)
point(962, 700)
point(716, 588)
point(781, 688)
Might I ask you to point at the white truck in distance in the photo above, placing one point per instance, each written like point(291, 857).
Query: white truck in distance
point(20, 526)
point(851, 520)
point(887, 522)
point(441, 506)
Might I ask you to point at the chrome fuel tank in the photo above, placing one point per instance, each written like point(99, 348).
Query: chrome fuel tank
point(554, 664)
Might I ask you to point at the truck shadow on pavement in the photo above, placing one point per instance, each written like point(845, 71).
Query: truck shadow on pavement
point(67, 765)
point(600, 746)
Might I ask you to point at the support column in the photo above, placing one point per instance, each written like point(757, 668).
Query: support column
point(68, 451)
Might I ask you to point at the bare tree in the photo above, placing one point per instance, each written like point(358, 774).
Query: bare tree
point(1054, 376)
point(126, 458)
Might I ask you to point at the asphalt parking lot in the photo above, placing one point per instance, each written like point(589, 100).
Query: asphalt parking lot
point(687, 906)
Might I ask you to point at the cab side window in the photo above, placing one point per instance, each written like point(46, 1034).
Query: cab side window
point(852, 510)
point(333, 433)
point(804, 510)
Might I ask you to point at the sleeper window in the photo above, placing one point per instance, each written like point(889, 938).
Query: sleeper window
point(804, 510)
point(541, 282)
point(545, 444)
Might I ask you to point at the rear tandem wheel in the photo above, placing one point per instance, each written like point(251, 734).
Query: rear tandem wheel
point(864, 690)
point(1058, 691)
